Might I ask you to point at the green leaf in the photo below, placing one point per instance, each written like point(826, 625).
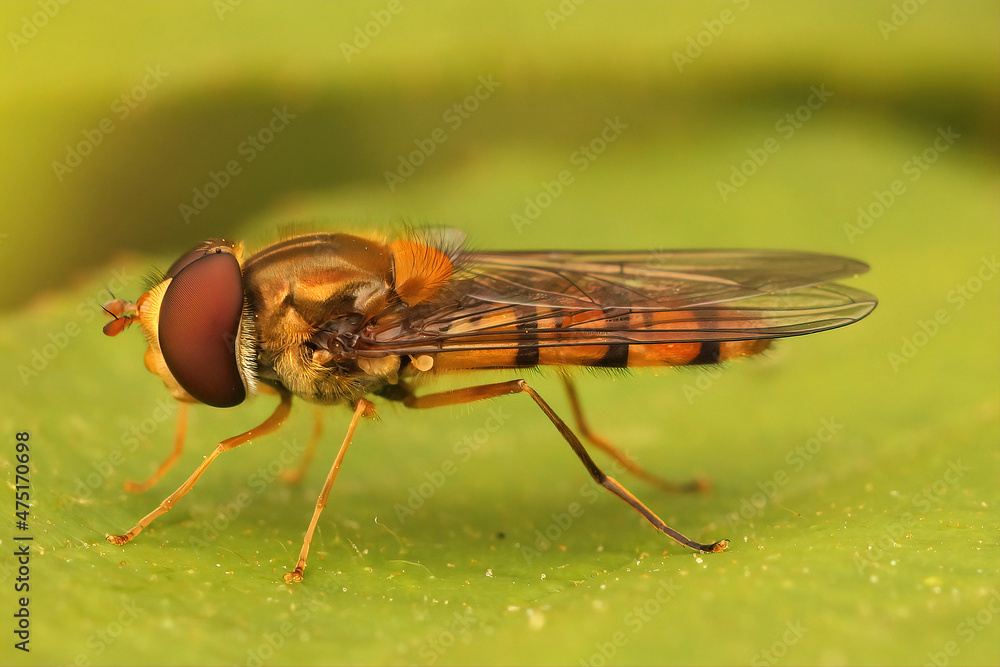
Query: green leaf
point(855, 472)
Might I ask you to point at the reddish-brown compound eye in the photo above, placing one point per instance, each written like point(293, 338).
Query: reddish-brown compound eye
point(206, 248)
point(198, 324)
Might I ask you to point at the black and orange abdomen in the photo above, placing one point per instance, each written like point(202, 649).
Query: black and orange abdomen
point(591, 339)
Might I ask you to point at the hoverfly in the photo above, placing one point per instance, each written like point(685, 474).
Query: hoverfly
point(342, 318)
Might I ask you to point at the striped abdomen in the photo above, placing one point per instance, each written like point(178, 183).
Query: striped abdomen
point(526, 336)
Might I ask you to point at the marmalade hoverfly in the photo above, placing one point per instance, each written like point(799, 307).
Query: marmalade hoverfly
point(340, 318)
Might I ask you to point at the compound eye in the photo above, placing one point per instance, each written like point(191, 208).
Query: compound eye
point(201, 250)
point(198, 324)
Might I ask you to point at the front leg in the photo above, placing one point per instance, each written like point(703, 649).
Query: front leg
point(270, 424)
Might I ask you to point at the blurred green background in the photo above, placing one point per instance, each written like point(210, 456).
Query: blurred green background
point(856, 472)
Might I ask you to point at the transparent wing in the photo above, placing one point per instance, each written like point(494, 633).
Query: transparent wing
point(587, 298)
point(643, 280)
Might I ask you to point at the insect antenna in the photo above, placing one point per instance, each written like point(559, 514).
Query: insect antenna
point(119, 310)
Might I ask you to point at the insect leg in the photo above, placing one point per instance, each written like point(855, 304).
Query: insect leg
point(270, 424)
point(295, 476)
point(168, 463)
point(619, 455)
point(498, 389)
point(364, 408)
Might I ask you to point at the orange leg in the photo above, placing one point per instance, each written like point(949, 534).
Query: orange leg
point(622, 457)
point(295, 476)
point(498, 389)
point(168, 463)
point(364, 408)
point(270, 424)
